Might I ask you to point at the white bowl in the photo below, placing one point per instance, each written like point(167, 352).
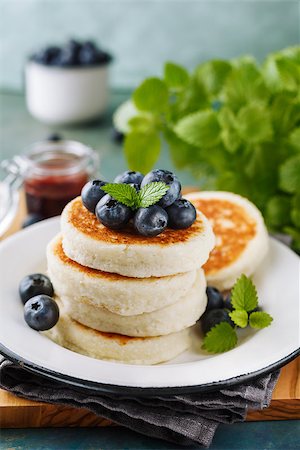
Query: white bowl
point(57, 95)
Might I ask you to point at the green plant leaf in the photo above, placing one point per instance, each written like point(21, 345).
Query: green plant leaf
point(294, 138)
point(285, 112)
point(151, 95)
point(213, 74)
point(289, 175)
point(144, 123)
point(176, 77)
point(254, 123)
point(151, 193)
point(282, 73)
point(220, 338)
point(200, 129)
point(142, 150)
point(245, 84)
point(260, 319)
point(243, 294)
point(123, 193)
point(239, 317)
point(229, 132)
point(278, 211)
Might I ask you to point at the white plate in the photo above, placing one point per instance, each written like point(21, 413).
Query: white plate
point(258, 352)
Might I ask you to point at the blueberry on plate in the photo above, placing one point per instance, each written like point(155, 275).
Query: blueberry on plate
point(214, 317)
point(112, 213)
point(182, 214)
point(168, 178)
point(214, 298)
point(150, 221)
point(33, 285)
point(30, 219)
point(41, 312)
point(227, 303)
point(92, 193)
point(129, 177)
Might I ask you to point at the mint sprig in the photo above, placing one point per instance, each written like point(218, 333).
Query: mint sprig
point(223, 337)
point(220, 338)
point(125, 193)
point(243, 294)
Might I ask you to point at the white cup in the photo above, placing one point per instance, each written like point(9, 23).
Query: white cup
point(66, 95)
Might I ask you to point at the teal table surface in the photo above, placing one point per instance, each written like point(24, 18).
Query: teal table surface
point(17, 131)
point(281, 435)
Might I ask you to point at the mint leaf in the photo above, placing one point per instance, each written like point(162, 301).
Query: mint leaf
point(151, 95)
point(123, 193)
point(245, 84)
point(142, 124)
point(243, 294)
point(254, 123)
point(142, 150)
point(295, 138)
point(200, 129)
point(213, 75)
point(289, 175)
point(260, 319)
point(151, 193)
point(176, 77)
point(239, 317)
point(229, 133)
point(220, 338)
point(277, 210)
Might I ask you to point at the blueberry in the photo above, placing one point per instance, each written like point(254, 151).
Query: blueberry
point(182, 214)
point(214, 298)
point(150, 221)
point(33, 285)
point(46, 55)
point(31, 219)
point(112, 213)
point(88, 54)
point(170, 179)
point(54, 137)
point(227, 303)
point(117, 136)
point(137, 187)
point(213, 317)
point(92, 193)
point(129, 177)
point(41, 312)
point(103, 57)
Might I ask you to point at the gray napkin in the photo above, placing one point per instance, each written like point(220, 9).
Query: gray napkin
point(183, 419)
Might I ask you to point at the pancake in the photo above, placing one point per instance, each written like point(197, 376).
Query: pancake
point(241, 236)
point(118, 294)
point(132, 350)
point(169, 319)
point(91, 244)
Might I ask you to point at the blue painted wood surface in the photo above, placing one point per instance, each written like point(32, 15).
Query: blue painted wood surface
point(281, 435)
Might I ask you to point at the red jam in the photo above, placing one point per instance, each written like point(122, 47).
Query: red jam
point(55, 177)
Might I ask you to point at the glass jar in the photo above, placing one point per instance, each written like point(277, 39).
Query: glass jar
point(53, 173)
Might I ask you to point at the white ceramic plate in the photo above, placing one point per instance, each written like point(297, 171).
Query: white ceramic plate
point(258, 352)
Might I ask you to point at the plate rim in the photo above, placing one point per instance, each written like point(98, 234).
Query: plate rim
point(137, 391)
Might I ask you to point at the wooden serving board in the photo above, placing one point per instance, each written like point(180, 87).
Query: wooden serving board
point(16, 412)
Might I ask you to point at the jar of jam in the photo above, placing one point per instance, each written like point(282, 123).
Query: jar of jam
point(53, 173)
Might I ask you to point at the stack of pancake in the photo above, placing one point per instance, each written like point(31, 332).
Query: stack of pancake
point(123, 296)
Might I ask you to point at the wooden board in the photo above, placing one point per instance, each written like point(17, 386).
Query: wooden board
point(20, 413)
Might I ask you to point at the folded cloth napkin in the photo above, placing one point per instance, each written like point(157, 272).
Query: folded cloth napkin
point(187, 419)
